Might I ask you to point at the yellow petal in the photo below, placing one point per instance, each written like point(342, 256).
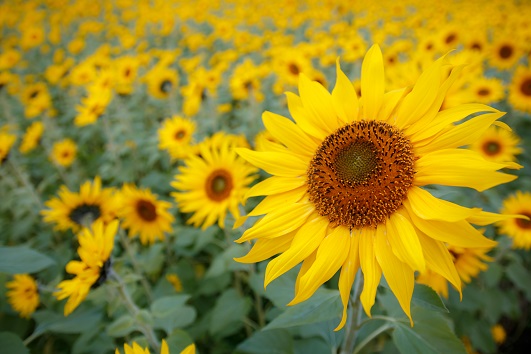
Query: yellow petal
point(404, 241)
point(164, 348)
point(276, 201)
point(265, 248)
point(391, 99)
point(303, 118)
point(331, 254)
point(428, 207)
point(275, 163)
point(306, 265)
point(398, 274)
point(372, 83)
point(307, 239)
point(486, 218)
point(275, 185)
point(318, 104)
point(344, 97)
point(371, 269)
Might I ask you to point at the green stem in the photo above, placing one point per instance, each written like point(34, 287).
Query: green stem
point(354, 317)
point(26, 183)
point(371, 336)
point(134, 310)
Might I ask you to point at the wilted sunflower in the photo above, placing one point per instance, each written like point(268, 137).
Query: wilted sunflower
point(75, 210)
point(175, 136)
point(31, 137)
point(95, 248)
point(517, 229)
point(64, 152)
point(346, 190)
point(143, 214)
point(211, 184)
point(498, 145)
point(23, 294)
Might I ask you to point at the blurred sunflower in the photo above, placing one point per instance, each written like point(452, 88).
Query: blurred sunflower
point(32, 36)
point(6, 142)
point(498, 334)
point(504, 52)
point(487, 90)
point(126, 70)
point(137, 349)
point(175, 136)
point(245, 81)
point(211, 184)
point(161, 81)
point(95, 248)
point(64, 152)
point(143, 214)
point(31, 137)
point(346, 190)
point(92, 107)
point(23, 294)
point(75, 210)
point(36, 99)
point(175, 281)
point(498, 145)
point(9, 58)
point(520, 89)
point(516, 228)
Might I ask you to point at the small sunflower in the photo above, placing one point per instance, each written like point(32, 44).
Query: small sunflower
point(211, 184)
point(95, 248)
point(143, 214)
point(36, 99)
point(347, 186)
point(64, 152)
point(175, 281)
point(504, 52)
point(161, 81)
point(520, 89)
point(175, 136)
point(23, 294)
point(75, 210)
point(498, 145)
point(487, 90)
point(164, 349)
point(31, 137)
point(498, 333)
point(6, 142)
point(517, 228)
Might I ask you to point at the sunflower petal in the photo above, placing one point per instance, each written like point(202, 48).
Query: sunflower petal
point(428, 207)
point(370, 268)
point(275, 163)
point(344, 97)
point(303, 119)
point(405, 242)
point(372, 83)
point(486, 218)
point(275, 185)
point(318, 103)
point(265, 248)
point(347, 276)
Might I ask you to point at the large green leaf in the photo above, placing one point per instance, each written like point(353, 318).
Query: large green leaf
point(426, 297)
point(12, 344)
point(275, 341)
point(79, 321)
point(22, 259)
point(324, 305)
point(519, 275)
point(229, 311)
point(162, 306)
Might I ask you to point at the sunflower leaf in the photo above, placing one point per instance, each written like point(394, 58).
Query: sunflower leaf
point(228, 313)
point(428, 298)
point(22, 259)
point(12, 344)
point(276, 341)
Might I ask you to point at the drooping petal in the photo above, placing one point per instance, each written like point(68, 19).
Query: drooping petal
point(486, 218)
point(404, 241)
point(265, 248)
point(347, 276)
point(372, 83)
point(331, 254)
point(370, 268)
point(306, 240)
point(344, 97)
point(275, 163)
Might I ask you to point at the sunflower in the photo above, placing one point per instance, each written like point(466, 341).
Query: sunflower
point(36, 99)
point(125, 74)
point(161, 81)
point(95, 248)
point(520, 89)
point(175, 136)
point(498, 333)
point(75, 210)
point(497, 145)
point(211, 184)
point(175, 281)
point(64, 152)
point(346, 190)
point(143, 214)
point(31, 137)
point(6, 142)
point(137, 349)
point(517, 229)
point(504, 52)
point(487, 90)
point(23, 294)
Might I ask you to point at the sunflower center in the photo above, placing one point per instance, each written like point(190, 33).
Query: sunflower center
point(506, 52)
point(104, 273)
point(361, 174)
point(179, 135)
point(483, 92)
point(218, 185)
point(85, 214)
point(146, 210)
point(294, 68)
point(450, 38)
point(166, 86)
point(492, 148)
point(524, 224)
point(525, 87)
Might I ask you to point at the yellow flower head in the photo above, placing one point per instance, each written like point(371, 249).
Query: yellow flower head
point(346, 190)
point(161, 81)
point(498, 333)
point(6, 142)
point(175, 136)
point(64, 152)
point(520, 89)
point(23, 294)
point(517, 228)
point(498, 145)
point(32, 137)
point(137, 349)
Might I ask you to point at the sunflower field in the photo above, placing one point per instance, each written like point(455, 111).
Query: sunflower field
point(261, 177)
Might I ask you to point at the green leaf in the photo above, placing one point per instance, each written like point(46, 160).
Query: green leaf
point(177, 318)
point(122, 326)
point(426, 297)
point(178, 340)
point(520, 277)
point(12, 344)
point(229, 311)
point(324, 305)
point(163, 305)
point(22, 259)
point(224, 261)
point(78, 322)
point(275, 341)
point(431, 334)
point(493, 275)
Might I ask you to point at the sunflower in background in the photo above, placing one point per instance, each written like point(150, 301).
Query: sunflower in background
point(212, 183)
point(137, 349)
point(71, 210)
point(95, 247)
point(487, 90)
point(6, 142)
point(519, 230)
point(32, 137)
point(144, 215)
point(346, 187)
point(498, 334)
point(176, 136)
point(23, 294)
point(63, 152)
point(520, 89)
point(36, 99)
point(161, 81)
point(505, 52)
point(498, 144)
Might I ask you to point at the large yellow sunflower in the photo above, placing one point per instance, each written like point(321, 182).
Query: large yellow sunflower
point(211, 184)
point(144, 215)
point(73, 210)
point(517, 229)
point(23, 294)
point(95, 247)
point(498, 145)
point(346, 190)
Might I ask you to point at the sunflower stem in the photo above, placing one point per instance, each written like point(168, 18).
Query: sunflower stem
point(354, 317)
point(133, 309)
point(124, 240)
